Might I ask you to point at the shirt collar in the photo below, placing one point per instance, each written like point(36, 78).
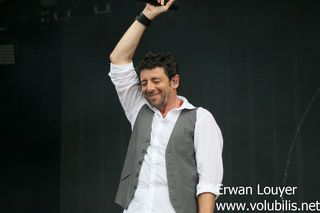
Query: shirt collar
point(186, 104)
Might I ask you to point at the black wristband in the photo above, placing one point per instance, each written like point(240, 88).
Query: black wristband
point(143, 19)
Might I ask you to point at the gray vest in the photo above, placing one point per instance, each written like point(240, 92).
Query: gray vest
point(181, 165)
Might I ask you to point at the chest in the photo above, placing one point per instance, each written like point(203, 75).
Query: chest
point(161, 128)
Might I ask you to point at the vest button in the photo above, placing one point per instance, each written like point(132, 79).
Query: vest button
point(144, 151)
point(140, 162)
point(134, 187)
point(137, 175)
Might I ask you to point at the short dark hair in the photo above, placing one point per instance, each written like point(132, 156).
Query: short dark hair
point(165, 60)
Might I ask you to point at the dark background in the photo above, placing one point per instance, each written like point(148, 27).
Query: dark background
point(254, 64)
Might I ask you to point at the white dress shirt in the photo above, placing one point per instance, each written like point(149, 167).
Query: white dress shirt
point(152, 194)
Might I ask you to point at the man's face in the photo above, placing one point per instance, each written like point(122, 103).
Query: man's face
point(157, 88)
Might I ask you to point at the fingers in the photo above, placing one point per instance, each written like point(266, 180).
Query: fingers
point(169, 3)
point(164, 7)
point(162, 2)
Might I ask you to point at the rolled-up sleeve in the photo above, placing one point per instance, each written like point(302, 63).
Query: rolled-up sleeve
point(208, 147)
point(126, 82)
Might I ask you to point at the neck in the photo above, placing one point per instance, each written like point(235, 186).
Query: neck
point(176, 103)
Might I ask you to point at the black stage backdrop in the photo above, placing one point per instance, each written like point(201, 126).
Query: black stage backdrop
point(254, 64)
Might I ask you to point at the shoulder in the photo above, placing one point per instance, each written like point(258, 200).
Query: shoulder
point(203, 113)
point(207, 127)
point(205, 119)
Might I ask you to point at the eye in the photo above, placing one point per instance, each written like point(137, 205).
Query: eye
point(156, 81)
point(144, 83)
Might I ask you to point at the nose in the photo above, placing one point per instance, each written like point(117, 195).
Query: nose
point(150, 88)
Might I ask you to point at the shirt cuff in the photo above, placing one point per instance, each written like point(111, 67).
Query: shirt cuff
point(121, 67)
point(208, 187)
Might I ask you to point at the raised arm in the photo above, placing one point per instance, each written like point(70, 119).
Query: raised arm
point(126, 47)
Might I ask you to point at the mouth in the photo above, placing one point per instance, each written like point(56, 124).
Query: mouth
point(152, 95)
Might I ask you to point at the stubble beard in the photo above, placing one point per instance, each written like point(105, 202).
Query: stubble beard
point(157, 104)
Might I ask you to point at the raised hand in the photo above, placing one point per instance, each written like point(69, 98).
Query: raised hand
point(152, 11)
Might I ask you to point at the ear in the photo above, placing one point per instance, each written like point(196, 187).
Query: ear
point(175, 81)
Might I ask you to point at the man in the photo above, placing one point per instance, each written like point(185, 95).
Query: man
point(174, 157)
